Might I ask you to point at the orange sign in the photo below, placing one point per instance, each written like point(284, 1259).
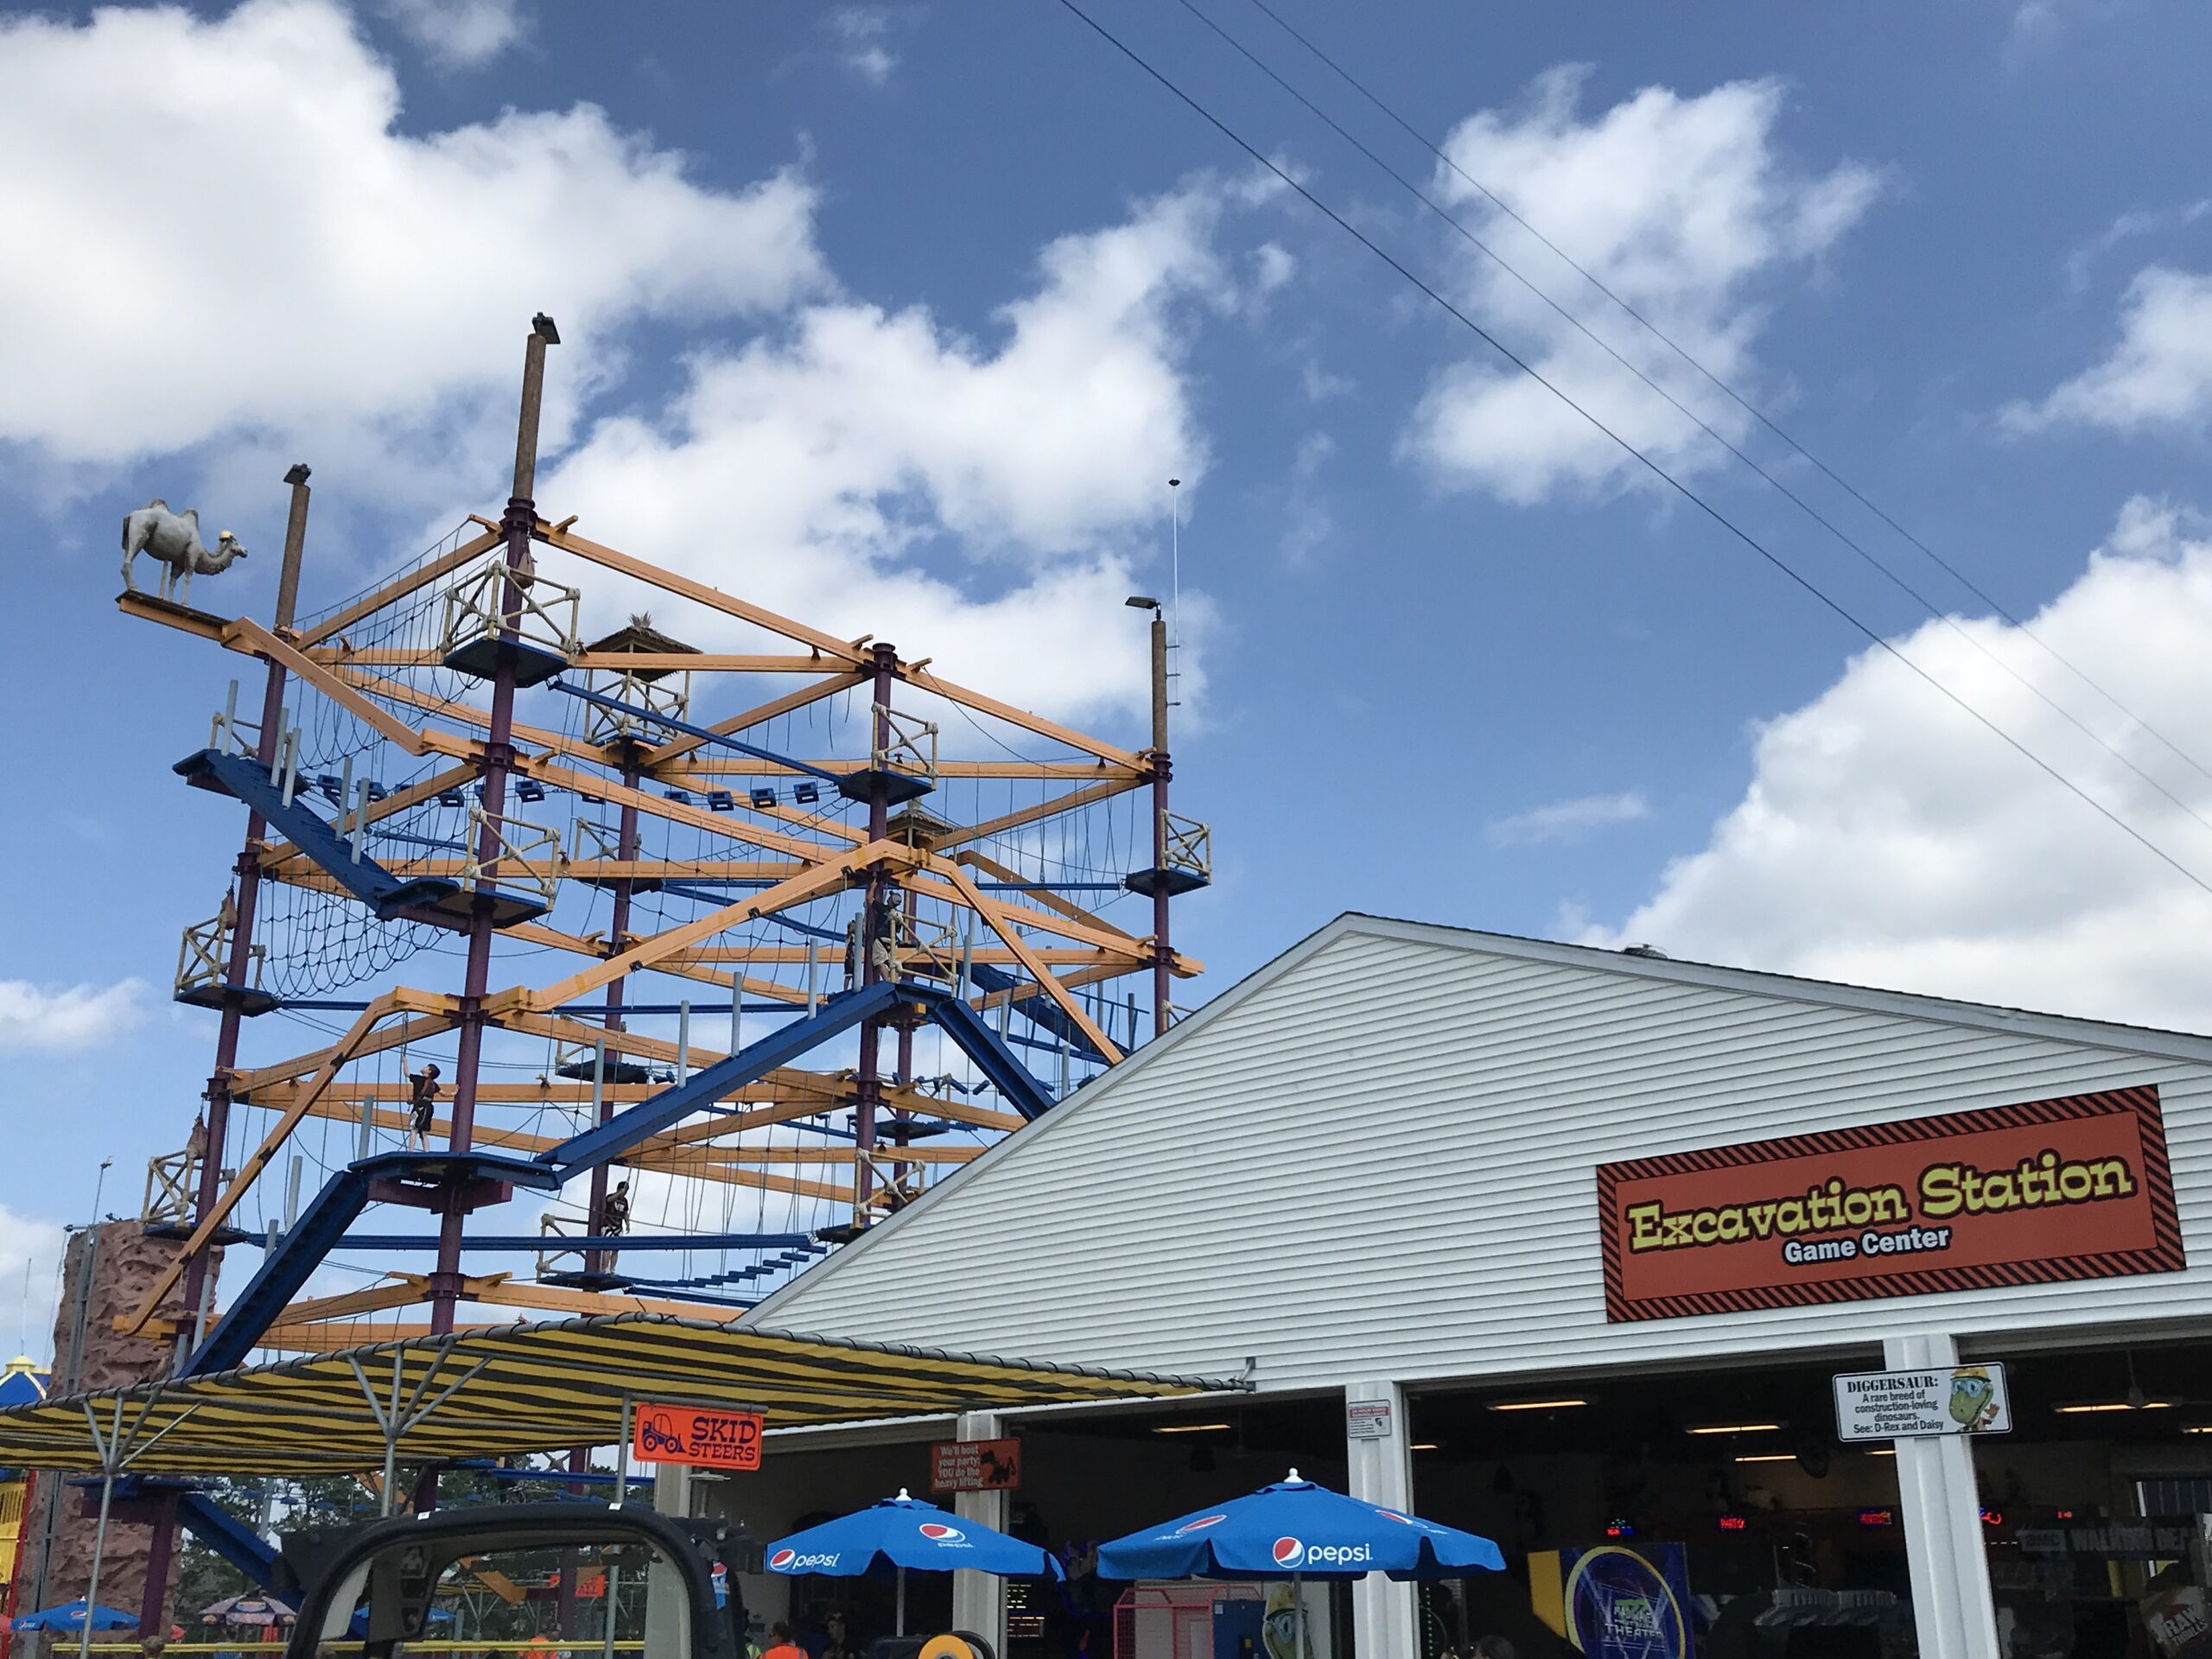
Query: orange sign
point(2077, 1188)
point(699, 1434)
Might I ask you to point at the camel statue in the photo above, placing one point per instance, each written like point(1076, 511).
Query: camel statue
point(174, 538)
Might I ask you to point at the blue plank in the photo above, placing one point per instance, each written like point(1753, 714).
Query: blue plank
point(248, 780)
point(229, 1537)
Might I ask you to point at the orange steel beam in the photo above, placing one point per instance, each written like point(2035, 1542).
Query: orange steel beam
point(1057, 805)
point(823, 878)
point(713, 598)
point(995, 914)
point(251, 638)
point(1022, 717)
point(1072, 772)
point(250, 1169)
point(370, 604)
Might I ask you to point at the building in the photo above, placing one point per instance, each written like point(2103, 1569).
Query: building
point(1563, 1244)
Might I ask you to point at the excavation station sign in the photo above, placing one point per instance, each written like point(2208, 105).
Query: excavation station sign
point(1940, 1399)
point(2072, 1188)
point(696, 1434)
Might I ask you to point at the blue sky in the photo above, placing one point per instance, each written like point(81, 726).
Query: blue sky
point(904, 314)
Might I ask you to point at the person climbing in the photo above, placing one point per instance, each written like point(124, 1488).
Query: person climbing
point(422, 1104)
point(614, 1211)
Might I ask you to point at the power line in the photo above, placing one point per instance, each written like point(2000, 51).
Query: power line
point(1726, 389)
point(1704, 426)
point(1653, 467)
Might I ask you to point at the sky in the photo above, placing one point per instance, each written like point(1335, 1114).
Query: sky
point(898, 318)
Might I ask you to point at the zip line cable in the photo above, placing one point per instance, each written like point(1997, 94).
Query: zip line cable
point(1722, 387)
point(1934, 610)
point(1653, 467)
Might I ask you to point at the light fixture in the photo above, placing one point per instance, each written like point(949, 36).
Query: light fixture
point(1735, 1428)
point(1564, 1403)
point(2198, 1428)
point(1142, 602)
point(1767, 1456)
point(1423, 1445)
point(2088, 1406)
point(1881, 1450)
point(1187, 1429)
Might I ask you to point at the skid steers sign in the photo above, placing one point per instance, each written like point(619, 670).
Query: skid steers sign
point(695, 1434)
point(2076, 1188)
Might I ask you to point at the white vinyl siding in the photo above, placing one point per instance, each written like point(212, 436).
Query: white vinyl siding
point(1376, 1158)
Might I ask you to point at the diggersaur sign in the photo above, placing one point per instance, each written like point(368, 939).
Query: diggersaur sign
point(2074, 1188)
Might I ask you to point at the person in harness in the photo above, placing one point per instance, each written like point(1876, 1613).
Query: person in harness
point(614, 1219)
point(421, 1105)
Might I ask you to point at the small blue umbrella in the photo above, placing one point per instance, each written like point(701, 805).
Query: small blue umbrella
point(908, 1534)
point(70, 1616)
point(1297, 1530)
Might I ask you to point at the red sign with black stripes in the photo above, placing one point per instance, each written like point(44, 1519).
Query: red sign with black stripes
point(2076, 1188)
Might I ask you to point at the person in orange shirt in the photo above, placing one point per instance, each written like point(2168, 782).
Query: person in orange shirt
point(780, 1645)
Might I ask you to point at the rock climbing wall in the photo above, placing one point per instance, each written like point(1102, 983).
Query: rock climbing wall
point(100, 1281)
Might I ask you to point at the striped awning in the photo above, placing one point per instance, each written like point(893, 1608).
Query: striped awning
point(525, 1387)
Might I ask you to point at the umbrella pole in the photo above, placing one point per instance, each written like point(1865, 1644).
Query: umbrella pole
point(900, 1618)
point(1298, 1611)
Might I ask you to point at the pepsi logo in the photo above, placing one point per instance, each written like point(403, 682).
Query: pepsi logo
point(937, 1533)
point(1289, 1552)
point(790, 1560)
point(1200, 1524)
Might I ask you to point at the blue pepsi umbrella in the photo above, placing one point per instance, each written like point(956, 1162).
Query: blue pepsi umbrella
point(1297, 1530)
point(907, 1534)
point(70, 1616)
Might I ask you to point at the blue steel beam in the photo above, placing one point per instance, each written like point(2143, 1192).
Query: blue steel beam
point(975, 1038)
point(286, 1269)
point(625, 1242)
point(700, 732)
point(248, 780)
point(626, 1129)
point(1040, 1011)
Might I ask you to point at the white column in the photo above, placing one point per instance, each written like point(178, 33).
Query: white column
point(664, 1590)
point(979, 1598)
point(1383, 1617)
point(1942, 1514)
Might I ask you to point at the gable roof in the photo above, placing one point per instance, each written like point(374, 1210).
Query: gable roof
point(2147, 1041)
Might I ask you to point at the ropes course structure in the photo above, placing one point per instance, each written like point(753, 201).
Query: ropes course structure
point(714, 954)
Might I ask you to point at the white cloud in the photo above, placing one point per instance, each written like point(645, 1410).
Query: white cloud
point(1563, 820)
point(1887, 839)
point(42, 1019)
point(359, 290)
point(30, 1252)
point(1309, 523)
point(458, 33)
point(2159, 374)
point(812, 469)
point(1681, 206)
point(2081, 262)
point(862, 33)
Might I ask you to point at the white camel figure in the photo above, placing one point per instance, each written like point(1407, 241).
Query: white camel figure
point(174, 538)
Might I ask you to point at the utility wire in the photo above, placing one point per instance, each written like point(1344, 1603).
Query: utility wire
point(1653, 467)
point(1722, 387)
point(1691, 415)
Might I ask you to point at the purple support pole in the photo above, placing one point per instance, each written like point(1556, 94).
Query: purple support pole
point(617, 936)
point(217, 1093)
point(867, 1088)
point(1162, 952)
point(520, 518)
